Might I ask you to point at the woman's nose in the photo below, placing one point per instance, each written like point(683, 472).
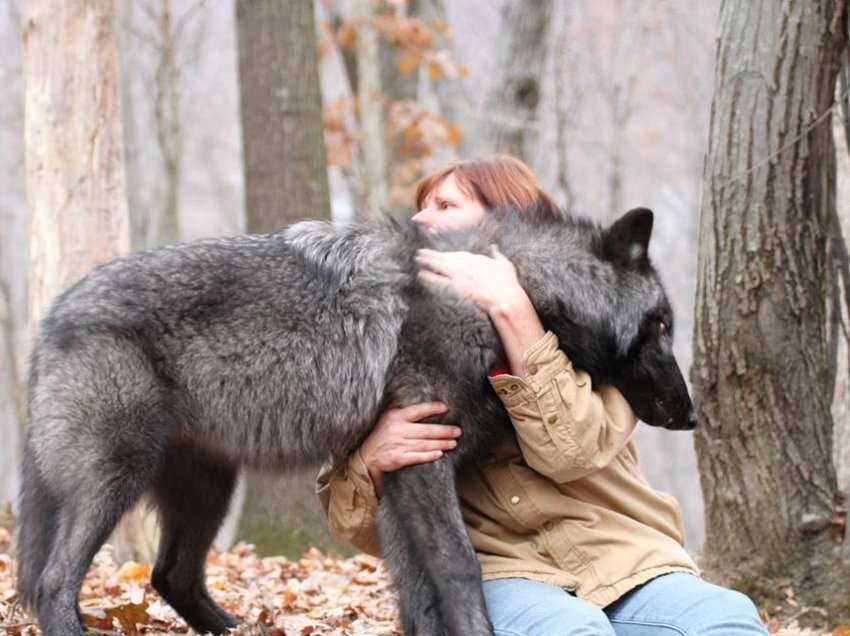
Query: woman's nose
point(421, 216)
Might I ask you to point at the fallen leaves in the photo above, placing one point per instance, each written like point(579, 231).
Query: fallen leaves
point(133, 572)
point(315, 595)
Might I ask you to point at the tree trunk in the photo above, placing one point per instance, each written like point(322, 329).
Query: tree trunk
point(13, 259)
point(838, 318)
point(169, 134)
point(138, 212)
point(75, 173)
point(76, 190)
point(370, 102)
point(285, 182)
point(282, 131)
point(512, 104)
point(760, 374)
point(11, 407)
point(454, 94)
point(567, 100)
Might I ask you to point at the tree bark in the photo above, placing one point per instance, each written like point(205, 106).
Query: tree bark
point(13, 257)
point(75, 173)
point(169, 134)
point(455, 94)
point(139, 213)
point(282, 131)
point(11, 406)
point(839, 305)
point(370, 102)
point(760, 375)
point(512, 104)
point(285, 182)
point(76, 189)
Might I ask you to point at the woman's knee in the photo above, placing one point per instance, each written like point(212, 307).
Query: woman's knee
point(685, 604)
point(730, 613)
point(522, 607)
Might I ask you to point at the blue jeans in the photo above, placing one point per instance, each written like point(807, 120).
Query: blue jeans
point(675, 604)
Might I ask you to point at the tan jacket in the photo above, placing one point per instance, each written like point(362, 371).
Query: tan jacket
point(564, 503)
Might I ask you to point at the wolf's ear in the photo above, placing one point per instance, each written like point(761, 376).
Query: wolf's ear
point(626, 241)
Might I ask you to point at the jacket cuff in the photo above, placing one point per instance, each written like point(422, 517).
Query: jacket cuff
point(359, 476)
point(541, 362)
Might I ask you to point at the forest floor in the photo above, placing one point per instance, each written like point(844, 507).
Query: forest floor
point(316, 594)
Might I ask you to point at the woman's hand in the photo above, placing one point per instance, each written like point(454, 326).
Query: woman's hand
point(492, 284)
point(398, 439)
point(488, 281)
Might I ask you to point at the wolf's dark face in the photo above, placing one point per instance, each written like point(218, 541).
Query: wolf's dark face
point(645, 370)
point(597, 290)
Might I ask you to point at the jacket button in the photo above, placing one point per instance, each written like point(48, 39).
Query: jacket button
point(553, 418)
point(514, 500)
point(532, 368)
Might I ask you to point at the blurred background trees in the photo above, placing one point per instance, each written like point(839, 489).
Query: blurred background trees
point(608, 102)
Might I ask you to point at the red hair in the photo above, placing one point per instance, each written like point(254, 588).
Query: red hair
point(498, 181)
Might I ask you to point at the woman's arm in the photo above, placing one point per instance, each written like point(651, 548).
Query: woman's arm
point(564, 428)
point(492, 284)
point(349, 492)
point(349, 500)
point(399, 439)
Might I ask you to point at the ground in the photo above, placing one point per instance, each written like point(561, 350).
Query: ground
point(316, 594)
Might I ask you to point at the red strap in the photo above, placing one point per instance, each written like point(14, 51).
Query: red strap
point(501, 368)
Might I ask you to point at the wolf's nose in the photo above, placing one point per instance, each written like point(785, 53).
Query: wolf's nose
point(692, 418)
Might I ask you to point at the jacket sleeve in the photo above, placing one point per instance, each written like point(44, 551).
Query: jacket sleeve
point(348, 498)
point(564, 428)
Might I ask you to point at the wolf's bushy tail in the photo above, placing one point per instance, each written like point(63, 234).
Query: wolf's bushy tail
point(36, 528)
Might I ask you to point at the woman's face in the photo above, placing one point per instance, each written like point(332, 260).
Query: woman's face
point(447, 207)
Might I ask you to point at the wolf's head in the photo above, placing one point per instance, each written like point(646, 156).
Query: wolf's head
point(596, 289)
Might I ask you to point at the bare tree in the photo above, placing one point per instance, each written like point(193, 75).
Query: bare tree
point(567, 103)
point(167, 116)
point(78, 209)
point(454, 94)
point(162, 29)
point(285, 158)
point(760, 369)
point(285, 181)
point(838, 297)
point(139, 213)
point(13, 255)
point(11, 404)
point(371, 100)
point(512, 105)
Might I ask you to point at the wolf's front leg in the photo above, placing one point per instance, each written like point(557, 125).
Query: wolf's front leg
point(420, 614)
point(431, 559)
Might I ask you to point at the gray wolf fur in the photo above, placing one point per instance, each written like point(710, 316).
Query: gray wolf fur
point(165, 370)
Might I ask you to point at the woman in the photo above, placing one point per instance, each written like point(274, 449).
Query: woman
point(570, 536)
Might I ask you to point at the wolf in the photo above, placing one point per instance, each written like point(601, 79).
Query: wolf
point(165, 371)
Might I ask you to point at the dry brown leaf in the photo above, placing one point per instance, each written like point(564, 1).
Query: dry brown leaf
point(129, 615)
point(96, 621)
